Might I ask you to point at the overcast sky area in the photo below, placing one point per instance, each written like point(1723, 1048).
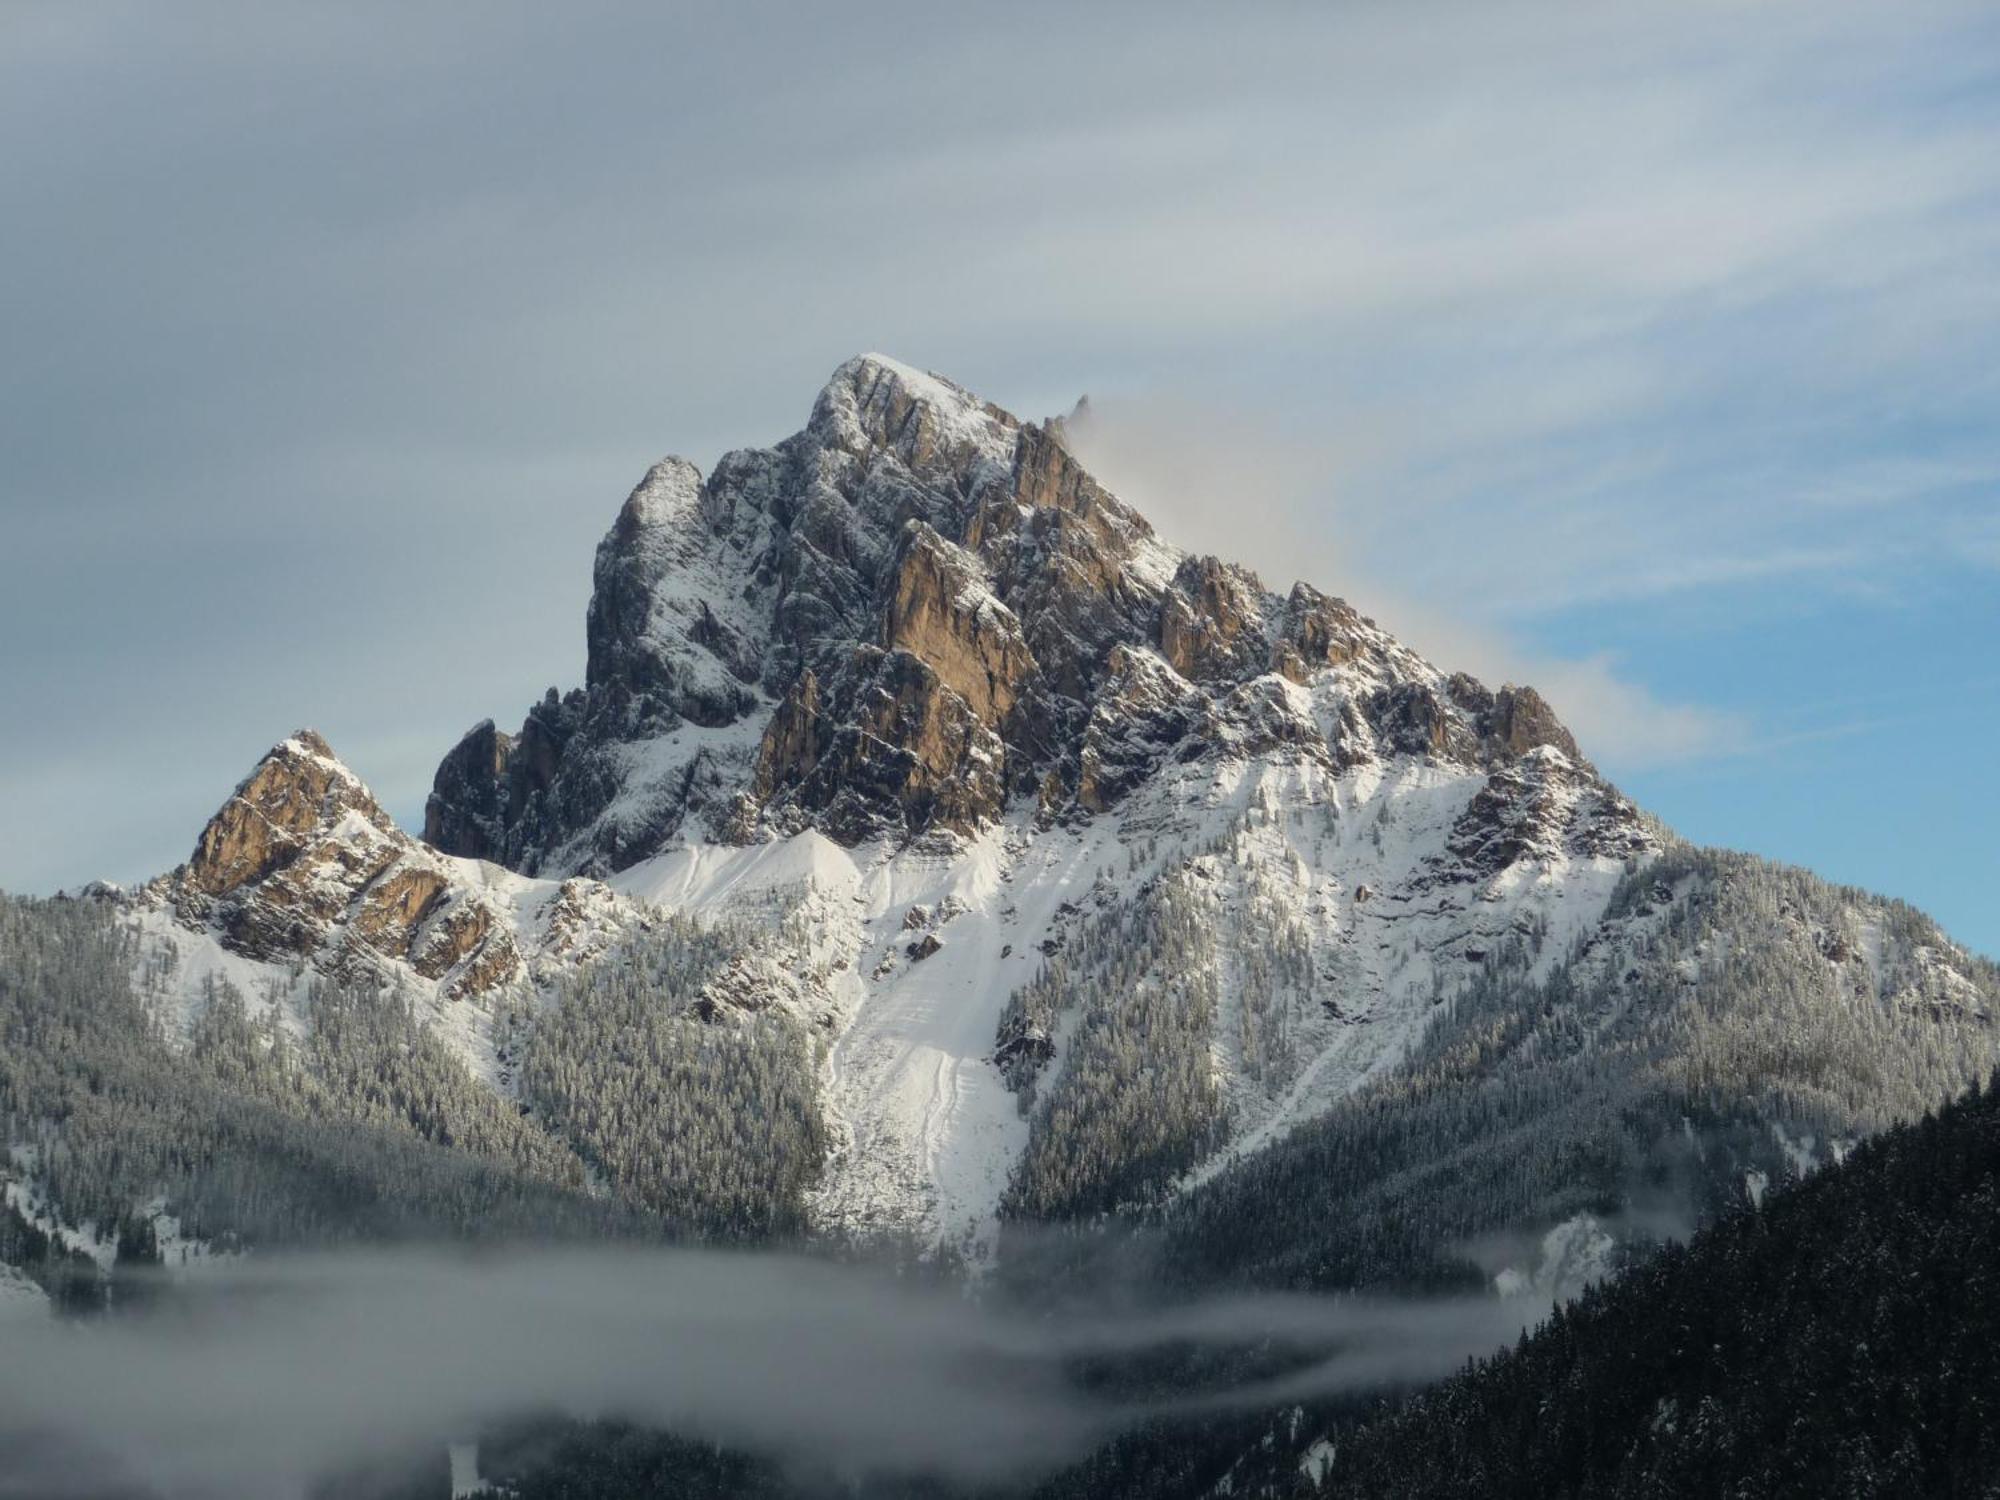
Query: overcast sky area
point(1648, 353)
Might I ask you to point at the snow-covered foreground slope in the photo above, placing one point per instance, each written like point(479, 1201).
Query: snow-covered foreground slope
point(926, 1130)
point(925, 947)
point(1340, 914)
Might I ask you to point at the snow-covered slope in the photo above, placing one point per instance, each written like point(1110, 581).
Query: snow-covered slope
point(908, 953)
point(924, 947)
point(302, 876)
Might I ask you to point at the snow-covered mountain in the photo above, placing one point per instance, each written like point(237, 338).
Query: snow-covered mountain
point(914, 673)
point(1091, 869)
point(920, 611)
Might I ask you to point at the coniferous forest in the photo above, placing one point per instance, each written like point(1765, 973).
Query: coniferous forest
point(352, 1121)
point(1837, 1341)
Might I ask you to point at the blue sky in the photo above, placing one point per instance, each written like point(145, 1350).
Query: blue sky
point(1646, 353)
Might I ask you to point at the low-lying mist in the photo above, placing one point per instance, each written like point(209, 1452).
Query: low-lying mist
point(253, 1379)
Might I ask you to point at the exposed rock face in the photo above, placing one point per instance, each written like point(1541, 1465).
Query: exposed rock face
point(660, 656)
point(1541, 804)
point(1144, 711)
point(303, 865)
point(905, 617)
point(468, 813)
point(901, 746)
point(1317, 631)
point(1513, 721)
point(296, 791)
point(941, 611)
point(1212, 622)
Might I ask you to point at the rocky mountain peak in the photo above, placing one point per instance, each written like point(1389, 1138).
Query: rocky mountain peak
point(302, 865)
point(298, 792)
point(874, 404)
point(903, 618)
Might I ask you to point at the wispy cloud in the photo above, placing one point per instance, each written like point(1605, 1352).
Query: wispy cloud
point(1217, 482)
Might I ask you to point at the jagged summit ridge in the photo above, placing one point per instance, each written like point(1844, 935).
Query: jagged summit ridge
point(904, 618)
point(875, 402)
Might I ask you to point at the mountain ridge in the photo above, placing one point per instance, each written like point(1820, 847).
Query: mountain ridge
point(917, 571)
point(1088, 873)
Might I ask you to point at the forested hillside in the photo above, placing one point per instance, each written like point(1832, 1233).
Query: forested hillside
point(363, 1128)
point(363, 1125)
point(1731, 1022)
point(1837, 1341)
point(1135, 1104)
point(709, 1123)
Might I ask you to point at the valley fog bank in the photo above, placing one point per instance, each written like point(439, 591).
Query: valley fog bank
point(263, 1376)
